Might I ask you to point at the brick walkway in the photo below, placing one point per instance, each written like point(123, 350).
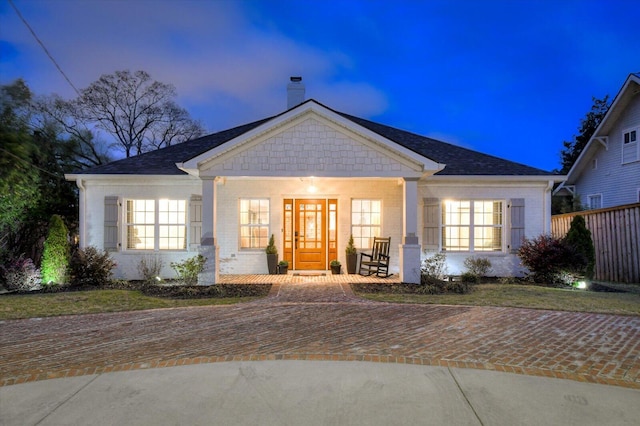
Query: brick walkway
point(307, 318)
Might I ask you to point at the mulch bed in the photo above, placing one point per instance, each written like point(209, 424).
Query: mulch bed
point(206, 291)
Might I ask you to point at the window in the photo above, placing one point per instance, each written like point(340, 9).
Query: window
point(366, 217)
point(630, 146)
point(594, 164)
point(630, 137)
point(472, 225)
point(595, 201)
point(156, 224)
point(254, 223)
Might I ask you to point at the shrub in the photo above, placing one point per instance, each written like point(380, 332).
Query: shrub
point(21, 274)
point(460, 287)
point(57, 252)
point(470, 277)
point(579, 238)
point(189, 269)
point(545, 257)
point(91, 267)
point(150, 267)
point(433, 272)
point(351, 248)
point(478, 266)
point(435, 266)
point(271, 247)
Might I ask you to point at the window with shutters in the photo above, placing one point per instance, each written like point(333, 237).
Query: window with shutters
point(472, 225)
point(156, 224)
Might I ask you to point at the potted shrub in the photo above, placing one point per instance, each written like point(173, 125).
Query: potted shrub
point(352, 256)
point(335, 266)
point(272, 256)
point(283, 267)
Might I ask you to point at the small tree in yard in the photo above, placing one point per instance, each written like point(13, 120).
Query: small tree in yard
point(579, 237)
point(57, 252)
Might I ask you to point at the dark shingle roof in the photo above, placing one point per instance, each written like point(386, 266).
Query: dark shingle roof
point(163, 161)
point(458, 160)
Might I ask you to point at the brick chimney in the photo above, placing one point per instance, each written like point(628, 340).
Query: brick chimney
point(295, 92)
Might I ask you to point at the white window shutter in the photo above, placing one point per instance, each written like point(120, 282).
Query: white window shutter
point(431, 224)
point(195, 222)
point(517, 223)
point(111, 209)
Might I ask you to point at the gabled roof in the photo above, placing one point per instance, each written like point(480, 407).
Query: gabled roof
point(596, 142)
point(459, 161)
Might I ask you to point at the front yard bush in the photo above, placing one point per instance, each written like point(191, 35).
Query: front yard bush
point(189, 269)
point(90, 267)
point(545, 257)
point(20, 274)
point(149, 267)
point(478, 266)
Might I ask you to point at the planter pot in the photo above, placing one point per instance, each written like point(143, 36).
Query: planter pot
point(283, 269)
point(272, 263)
point(336, 269)
point(352, 263)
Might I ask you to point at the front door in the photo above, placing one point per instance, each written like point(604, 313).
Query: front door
point(310, 233)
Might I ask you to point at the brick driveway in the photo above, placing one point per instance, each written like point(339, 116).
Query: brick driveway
point(318, 320)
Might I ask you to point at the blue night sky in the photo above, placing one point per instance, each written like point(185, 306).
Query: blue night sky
point(508, 78)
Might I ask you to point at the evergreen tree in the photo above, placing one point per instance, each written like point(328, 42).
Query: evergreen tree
point(579, 238)
point(57, 252)
point(588, 126)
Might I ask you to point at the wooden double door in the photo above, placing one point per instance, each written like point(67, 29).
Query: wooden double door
point(310, 233)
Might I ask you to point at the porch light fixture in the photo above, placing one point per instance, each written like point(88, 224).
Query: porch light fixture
point(311, 189)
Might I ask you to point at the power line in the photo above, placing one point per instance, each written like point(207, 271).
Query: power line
point(32, 165)
point(43, 46)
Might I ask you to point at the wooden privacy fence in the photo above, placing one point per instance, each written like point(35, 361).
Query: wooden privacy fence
point(616, 238)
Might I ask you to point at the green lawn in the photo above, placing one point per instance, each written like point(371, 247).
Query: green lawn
point(526, 296)
point(94, 301)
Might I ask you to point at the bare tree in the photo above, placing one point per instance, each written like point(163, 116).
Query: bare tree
point(139, 112)
point(60, 119)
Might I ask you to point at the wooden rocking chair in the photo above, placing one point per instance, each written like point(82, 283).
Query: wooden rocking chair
point(378, 261)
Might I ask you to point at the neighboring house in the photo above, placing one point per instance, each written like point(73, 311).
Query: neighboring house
point(312, 176)
point(607, 172)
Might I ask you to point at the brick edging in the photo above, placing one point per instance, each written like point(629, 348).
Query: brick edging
point(539, 372)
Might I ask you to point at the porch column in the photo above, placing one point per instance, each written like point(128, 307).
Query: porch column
point(208, 246)
point(410, 249)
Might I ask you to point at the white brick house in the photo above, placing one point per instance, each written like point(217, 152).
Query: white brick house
point(607, 172)
point(312, 177)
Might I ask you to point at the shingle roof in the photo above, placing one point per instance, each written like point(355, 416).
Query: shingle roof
point(458, 160)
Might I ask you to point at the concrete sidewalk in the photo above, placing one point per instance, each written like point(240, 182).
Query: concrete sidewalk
point(315, 393)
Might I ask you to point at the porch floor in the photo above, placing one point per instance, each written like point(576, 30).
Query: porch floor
point(304, 277)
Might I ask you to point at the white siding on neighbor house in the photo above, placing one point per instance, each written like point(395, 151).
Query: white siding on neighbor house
point(617, 182)
point(139, 187)
point(236, 261)
point(537, 219)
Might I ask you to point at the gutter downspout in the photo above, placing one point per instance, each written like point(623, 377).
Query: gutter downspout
point(81, 204)
point(547, 207)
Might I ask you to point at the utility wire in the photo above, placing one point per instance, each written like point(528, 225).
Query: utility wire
point(32, 165)
point(43, 46)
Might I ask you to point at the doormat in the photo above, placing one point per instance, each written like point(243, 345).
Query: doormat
point(309, 274)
